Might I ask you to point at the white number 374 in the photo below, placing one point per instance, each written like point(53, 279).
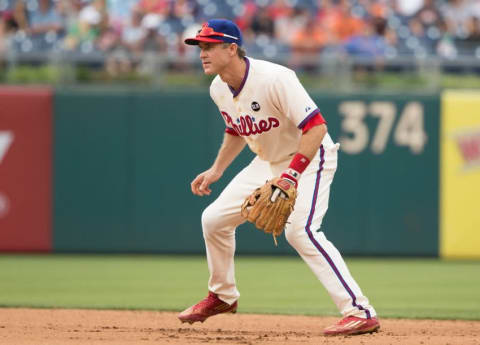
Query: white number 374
point(408, 132)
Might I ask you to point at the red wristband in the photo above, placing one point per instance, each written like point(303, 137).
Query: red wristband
point(297, 166)
point(299, 163)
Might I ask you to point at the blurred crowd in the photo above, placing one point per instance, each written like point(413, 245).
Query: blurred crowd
point(123, 32)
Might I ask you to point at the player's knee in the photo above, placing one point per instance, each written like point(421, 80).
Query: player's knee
point(209, 220)
point(294, 236)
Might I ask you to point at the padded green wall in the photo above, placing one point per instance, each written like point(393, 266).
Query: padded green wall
point(124, 160)
point(385, 203)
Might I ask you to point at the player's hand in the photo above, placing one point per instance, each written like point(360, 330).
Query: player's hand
point(201, 184)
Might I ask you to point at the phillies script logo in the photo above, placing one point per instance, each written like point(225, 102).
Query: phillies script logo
point(469, 146)
point(246, 125)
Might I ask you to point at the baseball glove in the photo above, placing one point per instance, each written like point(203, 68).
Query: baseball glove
point(269, 206)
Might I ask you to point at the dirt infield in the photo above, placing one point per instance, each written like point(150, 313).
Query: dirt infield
point(55, 327)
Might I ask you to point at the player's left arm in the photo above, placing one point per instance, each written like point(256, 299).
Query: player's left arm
point(291, 98)
point(310, 141)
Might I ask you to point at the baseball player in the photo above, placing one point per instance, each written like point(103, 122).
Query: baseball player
point(265, 106)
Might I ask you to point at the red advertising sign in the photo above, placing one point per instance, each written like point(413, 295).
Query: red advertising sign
point(25, 169)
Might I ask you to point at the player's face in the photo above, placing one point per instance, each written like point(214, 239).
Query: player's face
point(215, 57)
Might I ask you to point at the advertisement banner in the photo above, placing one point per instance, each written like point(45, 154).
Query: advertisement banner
point(25, 169)
point(460, 175)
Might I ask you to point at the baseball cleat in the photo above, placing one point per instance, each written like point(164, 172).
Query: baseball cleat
point(209, 306)
point(352, 325)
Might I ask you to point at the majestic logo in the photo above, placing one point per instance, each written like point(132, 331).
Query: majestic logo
point(468, 143)
point(255, 106)
point(246, 125)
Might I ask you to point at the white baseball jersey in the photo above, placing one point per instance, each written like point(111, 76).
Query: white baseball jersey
point(268, 110)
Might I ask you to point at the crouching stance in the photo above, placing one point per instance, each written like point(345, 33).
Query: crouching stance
point(265, 106)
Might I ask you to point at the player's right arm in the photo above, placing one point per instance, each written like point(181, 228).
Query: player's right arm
point(231, 147)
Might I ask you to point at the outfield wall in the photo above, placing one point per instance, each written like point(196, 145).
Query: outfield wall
point(25, 169)
point(123, 161)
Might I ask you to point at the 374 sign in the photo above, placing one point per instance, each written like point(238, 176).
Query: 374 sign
point(6, 140)
point(409, 129)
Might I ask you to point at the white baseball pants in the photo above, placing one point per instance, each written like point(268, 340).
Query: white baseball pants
point(220, 219)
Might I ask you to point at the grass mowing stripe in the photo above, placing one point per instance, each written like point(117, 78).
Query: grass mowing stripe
point(412, 288)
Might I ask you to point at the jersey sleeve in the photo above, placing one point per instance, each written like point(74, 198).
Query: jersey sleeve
point(316, 120)
point(291, 98)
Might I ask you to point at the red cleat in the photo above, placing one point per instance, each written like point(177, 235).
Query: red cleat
point(352, 325)
point(209, 306)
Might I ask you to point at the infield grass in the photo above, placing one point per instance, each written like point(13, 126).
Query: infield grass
point(406, 288)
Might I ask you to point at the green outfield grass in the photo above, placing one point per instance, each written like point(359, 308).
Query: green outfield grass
point(407, 288)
